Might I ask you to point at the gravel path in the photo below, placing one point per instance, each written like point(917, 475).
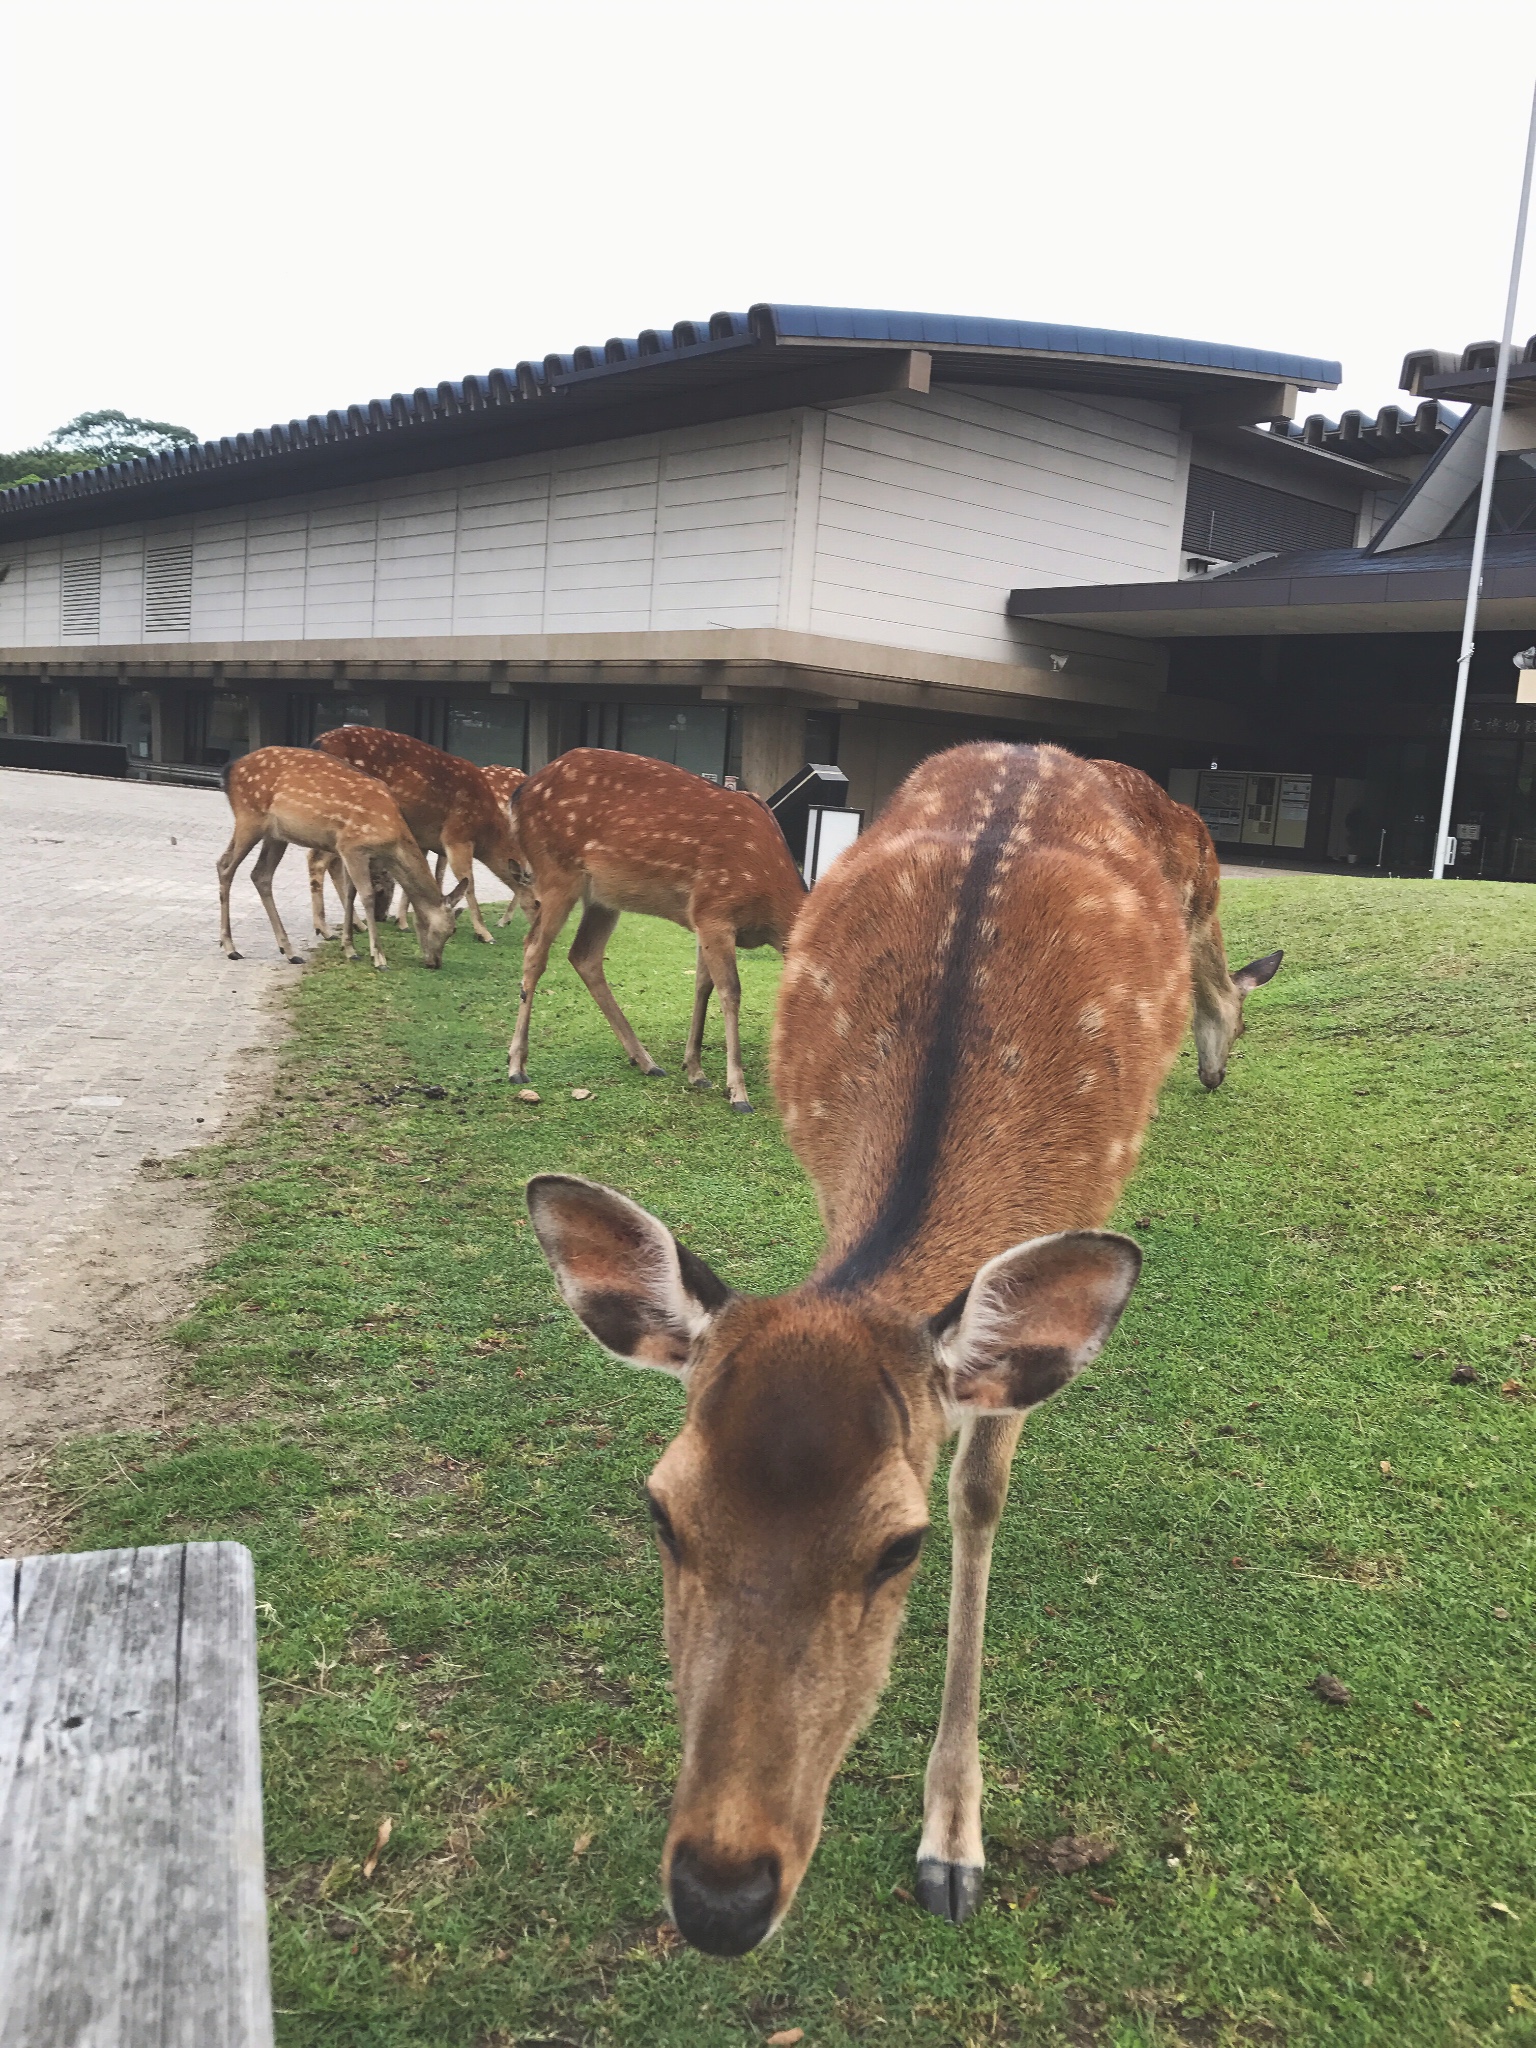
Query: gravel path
point(124, 1034)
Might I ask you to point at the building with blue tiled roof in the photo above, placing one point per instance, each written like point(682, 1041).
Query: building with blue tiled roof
point(796, 532)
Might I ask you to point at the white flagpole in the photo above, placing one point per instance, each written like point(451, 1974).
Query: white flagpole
point(1444, 845)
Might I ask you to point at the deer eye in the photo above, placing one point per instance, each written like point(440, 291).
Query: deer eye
point(663, 1522)
point(897, 1556)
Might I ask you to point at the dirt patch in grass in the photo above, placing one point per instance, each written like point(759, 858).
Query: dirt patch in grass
point(93, 1354)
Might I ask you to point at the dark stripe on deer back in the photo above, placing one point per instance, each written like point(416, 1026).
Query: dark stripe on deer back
point(948, 1021)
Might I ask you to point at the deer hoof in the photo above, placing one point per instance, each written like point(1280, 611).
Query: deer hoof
point(485, 938)
point(295, 959)
point(697, 1081)
point(655, 1073)
point(742, 1108)
point(952, 1891)
point(232, 955)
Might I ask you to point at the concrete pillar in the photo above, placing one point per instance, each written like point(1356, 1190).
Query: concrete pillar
point(772, 745)
point(543, 733)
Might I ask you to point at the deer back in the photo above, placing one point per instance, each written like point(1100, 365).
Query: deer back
point(980, 1002)
point(1176, 834)
point(651, 837)
point(438, 793)
point(313, 800)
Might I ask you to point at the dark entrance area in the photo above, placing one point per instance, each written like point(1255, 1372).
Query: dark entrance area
point(1367, 717)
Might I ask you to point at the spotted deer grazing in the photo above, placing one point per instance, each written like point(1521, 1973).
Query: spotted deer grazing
point(1187, 856)
point(288, 796)
point(980, 1002)
point(620, 832)
point(448, 803)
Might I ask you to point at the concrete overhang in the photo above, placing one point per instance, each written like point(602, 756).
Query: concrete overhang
point(1384, 594)
point(1094, 673)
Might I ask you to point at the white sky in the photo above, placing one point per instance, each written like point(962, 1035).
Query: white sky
point(226, 213)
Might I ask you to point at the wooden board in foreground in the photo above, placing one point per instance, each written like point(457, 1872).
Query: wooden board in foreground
point(132, 1894)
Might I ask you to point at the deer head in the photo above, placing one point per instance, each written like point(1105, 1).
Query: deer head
point(435, 922)
point(790, 1510)
point(1218, 1020)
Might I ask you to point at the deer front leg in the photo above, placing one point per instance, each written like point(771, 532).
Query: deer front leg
point(950, 1859)
point(461, 858)
point(360, 876)
point(717, 951)
point(319, 867)
point(553, 908)
point(693, 1055)
point(349, 912)
point(267, 862)
point(242, 839)
point(587, 948)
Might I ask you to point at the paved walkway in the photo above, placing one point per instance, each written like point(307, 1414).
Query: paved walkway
point(121, 1022)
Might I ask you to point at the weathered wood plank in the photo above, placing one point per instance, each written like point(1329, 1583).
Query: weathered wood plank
point(132, 1897)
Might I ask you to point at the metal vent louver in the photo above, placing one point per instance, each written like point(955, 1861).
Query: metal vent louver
point(168, 587)
point(1231, 519)
point(80, 605)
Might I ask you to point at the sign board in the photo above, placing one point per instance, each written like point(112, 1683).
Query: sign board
point(828, 833)
point(1295, 808)
point(1220, 803)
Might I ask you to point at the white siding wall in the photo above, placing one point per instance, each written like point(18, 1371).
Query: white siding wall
point(932, 509)
point(219, 543)
point(903, 520)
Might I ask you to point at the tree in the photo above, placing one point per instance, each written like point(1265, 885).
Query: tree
point(88, 441)
point(113, 436)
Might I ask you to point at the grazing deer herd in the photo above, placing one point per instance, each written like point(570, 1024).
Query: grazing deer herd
point(979, 1004)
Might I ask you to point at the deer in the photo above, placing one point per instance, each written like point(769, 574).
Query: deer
point(507, 782)
point(447, 802)
point(621, 832)
point(1187, 855)
point(288, 796)
point(979, 1004)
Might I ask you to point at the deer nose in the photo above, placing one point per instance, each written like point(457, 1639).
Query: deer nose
point(723, 1908)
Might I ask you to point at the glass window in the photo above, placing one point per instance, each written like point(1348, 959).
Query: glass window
point(218, 725)
point(138, 724)
point(229, 727)
point(32, 709)
point(492, 731)
point(600, 724)
point(101, 711)
point(346, 707)
point(692, 736)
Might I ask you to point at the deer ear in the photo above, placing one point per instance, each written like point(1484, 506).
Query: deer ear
point(1257, 972)
point(1032, 1318)
point(641, 1294)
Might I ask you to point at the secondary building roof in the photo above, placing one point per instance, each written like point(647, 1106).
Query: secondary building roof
point(1326, 590)
point(698, 370)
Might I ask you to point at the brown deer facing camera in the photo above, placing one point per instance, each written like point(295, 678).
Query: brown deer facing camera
point(288, 796)
point(980, 1002)
point(448, 803)
point(620, 832)
point(1187, 856)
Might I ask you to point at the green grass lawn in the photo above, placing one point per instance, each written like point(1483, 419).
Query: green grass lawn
point(1269, 1473)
